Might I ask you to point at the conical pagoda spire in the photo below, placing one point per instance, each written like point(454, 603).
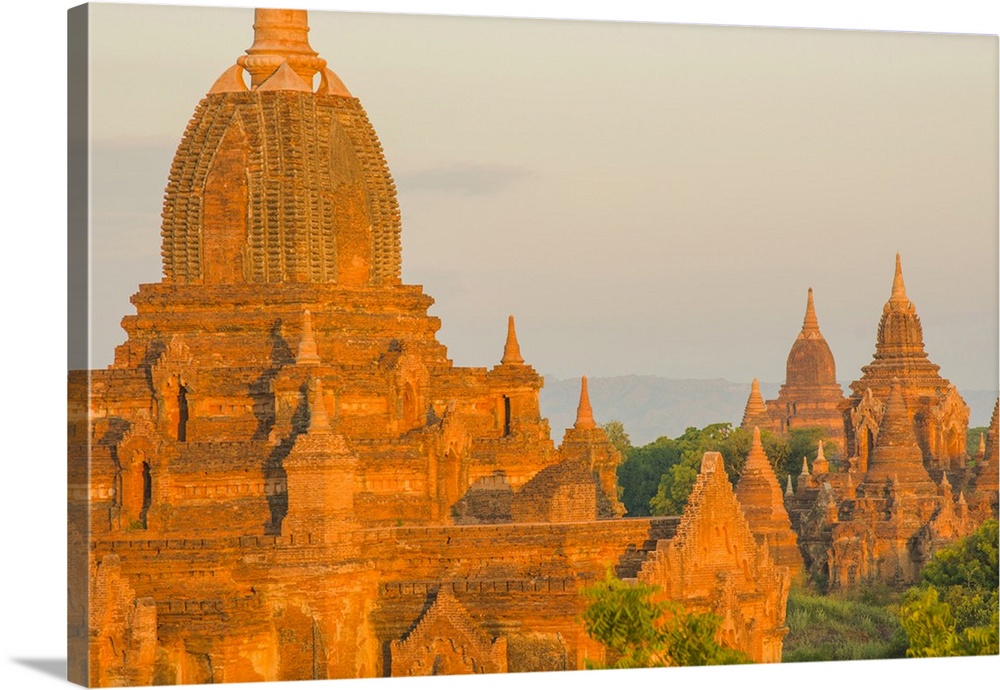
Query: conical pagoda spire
point(280, 36)
point(896, 428)
point(981, 451)
point(810, 324)
point(755, 412)
point(820, 464)
point(944, 488)
point(805, 467)
point(319, 422)
point(788, 488)
point(511, 348)
point(898, 287)
point(757, 458)
point(584, 413)
point(307, 343)
point(896, 452)
point(759, 494)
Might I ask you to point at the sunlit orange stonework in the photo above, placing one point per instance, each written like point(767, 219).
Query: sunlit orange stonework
point(904, 487)
point(283, 476)
point(810, 396)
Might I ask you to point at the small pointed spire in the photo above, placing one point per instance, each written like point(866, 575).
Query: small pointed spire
point(511, 348)
point(318, 419)
point(810, 324)
point(898, 288)
point(850, 485)
point(820, 464)
point(756, 410)
point(961, 500)
point(307, 343)
point(284, 79)
point(896, 428)
point(944, 488)
point(584, 413)
point(788, 488)
point(757, 458)
point(805, 467)
point(981, 451)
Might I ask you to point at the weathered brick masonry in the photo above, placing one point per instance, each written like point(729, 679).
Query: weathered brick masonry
point(283, 476)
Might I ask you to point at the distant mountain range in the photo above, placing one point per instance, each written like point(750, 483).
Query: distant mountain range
point(652, 406)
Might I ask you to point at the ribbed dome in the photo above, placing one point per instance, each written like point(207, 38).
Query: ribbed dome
point(810, 361)
point(278, 182)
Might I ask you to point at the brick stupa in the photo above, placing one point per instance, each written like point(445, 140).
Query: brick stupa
point(282, 469)
point(810, 396)
point(760, 496)
point(939, 415)
point(888, 527)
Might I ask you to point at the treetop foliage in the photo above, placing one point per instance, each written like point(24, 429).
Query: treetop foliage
point(640, 631)
point(954, 611)
point(657, 478)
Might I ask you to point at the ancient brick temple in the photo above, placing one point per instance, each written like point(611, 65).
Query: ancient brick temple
point(810, 396)
point(884, 524)
point(906, 486)
point(760, 496)
point(283, 476)
point(939, 415)
point(903, 486)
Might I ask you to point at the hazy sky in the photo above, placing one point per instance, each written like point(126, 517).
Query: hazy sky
point(648, 199)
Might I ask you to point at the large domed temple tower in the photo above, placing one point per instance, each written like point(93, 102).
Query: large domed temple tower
point(810, 396)
point(283, 476)
point(281, 300)
point(938, 413)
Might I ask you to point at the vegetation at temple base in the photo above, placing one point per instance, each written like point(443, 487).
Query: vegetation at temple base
point(839, 628)
point(618, 437)
point(639, 631)
point(953, 611)
point(656, 479)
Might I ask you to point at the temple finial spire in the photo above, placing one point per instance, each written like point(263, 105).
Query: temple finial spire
point(810, 324)
point(319, 422)
point(820, 465)
point(280, 36)
point(511, 349)
point(898, 288)
point(755, 412)
point(307, 343)
point(757, 457)
point(584, 413)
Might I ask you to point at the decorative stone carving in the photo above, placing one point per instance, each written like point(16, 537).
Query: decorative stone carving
point(447, 641)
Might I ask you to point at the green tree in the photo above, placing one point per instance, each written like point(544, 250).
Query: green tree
point(639, 475)
point(618, 437)
point(954, 609)
point(931, 630)
point(734, 444)
point(639, 631)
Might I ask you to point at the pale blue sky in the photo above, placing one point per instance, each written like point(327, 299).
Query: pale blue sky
point(647, 199)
